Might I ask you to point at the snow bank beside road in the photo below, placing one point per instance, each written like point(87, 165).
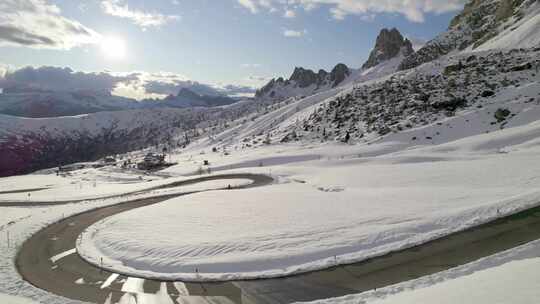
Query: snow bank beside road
point(7, 299)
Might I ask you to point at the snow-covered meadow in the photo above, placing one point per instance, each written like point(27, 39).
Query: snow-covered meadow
point(325, 211)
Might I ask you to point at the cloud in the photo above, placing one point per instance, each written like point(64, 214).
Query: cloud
point(137, 85)
point(170, 84)
point(250, 5)
point(413, 10)
point(158, 85)
point(119, 8)
point(293, 33)
point(37, 24)
point(59, 79)
point(255, 5)
point(251, 65)
point(289, 14)
point(256, 81)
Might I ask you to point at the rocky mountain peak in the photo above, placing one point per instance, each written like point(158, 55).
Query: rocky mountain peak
point(304, 77)
point(339, 73)
point(306, 80)
point(185, 92)
point(389, 44)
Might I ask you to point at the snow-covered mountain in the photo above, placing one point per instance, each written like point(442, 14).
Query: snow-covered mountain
point(61, 103)
point(460, 94)
point(390, 49)
point(480, 24)
point(495, 87)
point(29, 144)
point(188, 98)
point(48, 103)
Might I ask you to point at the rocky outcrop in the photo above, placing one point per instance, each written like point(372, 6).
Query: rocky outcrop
point(304, 77)
point(479, 21)
point(395, 104)
point(389, 44)
point(338, 74)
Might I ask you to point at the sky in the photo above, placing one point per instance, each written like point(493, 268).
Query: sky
point(150, 48)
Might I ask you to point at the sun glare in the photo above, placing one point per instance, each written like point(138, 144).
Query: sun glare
point(113, 48)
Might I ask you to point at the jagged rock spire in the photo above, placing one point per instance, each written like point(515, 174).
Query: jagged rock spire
point(389, 44)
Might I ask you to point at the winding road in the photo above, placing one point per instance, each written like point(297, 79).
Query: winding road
point(48, 261)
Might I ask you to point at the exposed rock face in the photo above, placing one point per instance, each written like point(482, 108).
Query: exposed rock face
point(389, 44)
point(304, 77)
point(338, 74)
point(479, 21)
point(305, 81)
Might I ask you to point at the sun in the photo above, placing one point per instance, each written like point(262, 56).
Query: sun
point(113, 47)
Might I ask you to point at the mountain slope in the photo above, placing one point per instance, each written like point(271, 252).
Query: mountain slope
point(479, 22)
point(41, 104)
point(29, 144)
point(52, 104)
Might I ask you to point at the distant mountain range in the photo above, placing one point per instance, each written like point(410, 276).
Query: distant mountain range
point(41, 103)
point(187, 98)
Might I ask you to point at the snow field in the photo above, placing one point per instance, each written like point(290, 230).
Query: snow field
point(327, 212)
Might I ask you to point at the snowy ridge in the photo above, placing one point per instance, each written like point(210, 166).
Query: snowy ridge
point(29, 144)
point(52, 104)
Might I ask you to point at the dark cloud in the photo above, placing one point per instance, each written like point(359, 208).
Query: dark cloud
point(137, 85)
point(18, 36)
point(38, 24)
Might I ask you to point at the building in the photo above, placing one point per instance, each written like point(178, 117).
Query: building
point(151, 160)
